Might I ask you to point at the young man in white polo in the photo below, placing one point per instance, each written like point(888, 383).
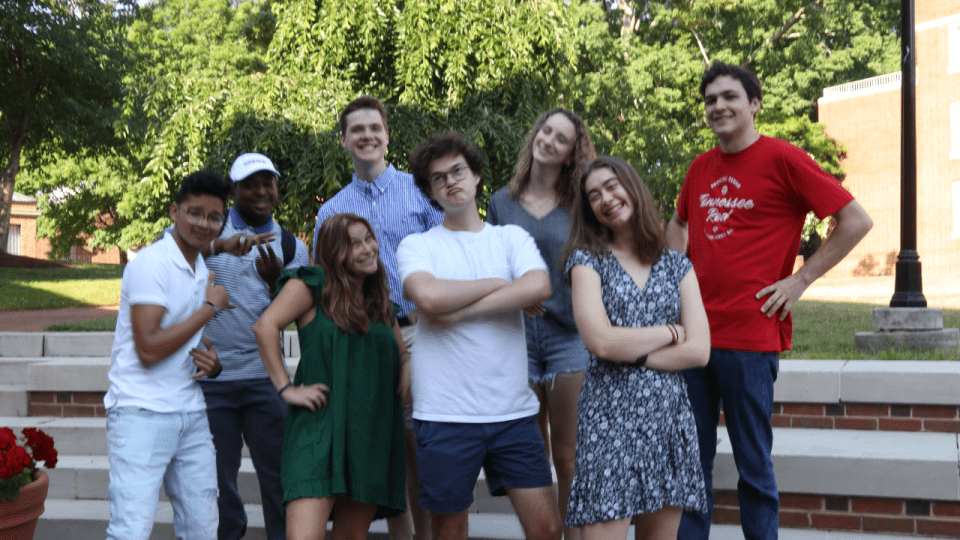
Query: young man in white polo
point(472, 405)
point(157, 430)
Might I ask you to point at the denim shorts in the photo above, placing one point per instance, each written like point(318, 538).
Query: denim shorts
point(552, 349)
point(450, 456)
point(148, 448)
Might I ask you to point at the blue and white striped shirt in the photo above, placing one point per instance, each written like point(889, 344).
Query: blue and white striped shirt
point(395, 208)
point(231, 332)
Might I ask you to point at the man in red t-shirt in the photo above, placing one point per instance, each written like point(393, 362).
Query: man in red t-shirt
point(742, 208)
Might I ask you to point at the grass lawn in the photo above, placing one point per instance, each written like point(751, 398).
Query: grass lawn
point(81, 284)
point(825, 330)
point(106, 324)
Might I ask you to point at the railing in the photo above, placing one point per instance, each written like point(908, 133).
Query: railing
point(863, 84)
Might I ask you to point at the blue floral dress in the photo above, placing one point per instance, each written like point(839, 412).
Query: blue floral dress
point(636, 437)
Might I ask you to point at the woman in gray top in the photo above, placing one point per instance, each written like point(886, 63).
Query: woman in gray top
point(539, 199)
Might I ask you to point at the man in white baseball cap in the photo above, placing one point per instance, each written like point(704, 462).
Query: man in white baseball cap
point(242, 405)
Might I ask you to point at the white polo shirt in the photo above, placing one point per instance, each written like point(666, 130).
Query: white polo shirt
point(161, 276)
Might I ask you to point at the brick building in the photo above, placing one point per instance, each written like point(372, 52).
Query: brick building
point(865, 117)
point(22, 239)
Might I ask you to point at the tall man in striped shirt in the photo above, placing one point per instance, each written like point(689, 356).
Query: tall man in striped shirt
point(242, 404)
point(395, 208)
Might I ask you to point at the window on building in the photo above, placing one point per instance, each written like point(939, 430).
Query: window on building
point(13, 240)
point(953, 45)
point(955, 130)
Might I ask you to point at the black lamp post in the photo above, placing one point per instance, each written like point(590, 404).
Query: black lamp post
point(908, 287)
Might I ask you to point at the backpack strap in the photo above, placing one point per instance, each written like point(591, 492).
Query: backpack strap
point(288, 245)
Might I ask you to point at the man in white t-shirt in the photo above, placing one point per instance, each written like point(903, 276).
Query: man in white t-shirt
point(157, 430)
point(472, 405)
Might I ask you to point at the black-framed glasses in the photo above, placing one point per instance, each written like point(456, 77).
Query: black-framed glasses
point(458, 172)
point(195, 217)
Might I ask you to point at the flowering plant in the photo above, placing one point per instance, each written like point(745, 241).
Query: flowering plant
point(16, 465)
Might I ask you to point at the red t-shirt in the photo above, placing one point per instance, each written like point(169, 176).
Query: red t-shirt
point(745, 212)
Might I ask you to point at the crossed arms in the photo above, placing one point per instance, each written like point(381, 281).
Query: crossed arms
point(445, 301)
point(626, 344)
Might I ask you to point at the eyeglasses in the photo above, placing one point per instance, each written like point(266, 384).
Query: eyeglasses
point(195, 217)
point(459, 172)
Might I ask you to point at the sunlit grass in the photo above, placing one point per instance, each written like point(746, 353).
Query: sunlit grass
point(825, 330)
point(82, 284)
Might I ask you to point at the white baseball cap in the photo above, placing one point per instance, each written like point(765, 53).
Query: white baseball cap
point(247, 164)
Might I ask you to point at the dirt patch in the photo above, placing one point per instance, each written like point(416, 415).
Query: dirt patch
point(15, 261)
point(38, 319)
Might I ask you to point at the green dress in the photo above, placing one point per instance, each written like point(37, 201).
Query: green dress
point(354, 446)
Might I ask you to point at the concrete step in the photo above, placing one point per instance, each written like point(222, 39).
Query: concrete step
point(87, 520)
point(71, 436)
point(14, 370)
point(39, 344)
point(79, 374)
point(829, 462)
point(13, 399)
point(87, 478)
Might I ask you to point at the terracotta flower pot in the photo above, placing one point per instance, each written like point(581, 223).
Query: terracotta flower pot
point(18, 518)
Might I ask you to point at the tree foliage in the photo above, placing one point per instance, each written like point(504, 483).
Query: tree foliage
point(58, 65)
point(638, 73)
point(213, 78)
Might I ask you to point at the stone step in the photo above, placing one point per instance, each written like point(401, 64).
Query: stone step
point(79, 374)
point(39, 344)
point(87, 520)
point(87, 478)
point(14, 370)
point(13, 399)
point(799, 381)
point(827, 462)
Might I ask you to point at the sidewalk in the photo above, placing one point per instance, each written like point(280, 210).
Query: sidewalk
point(37, 319)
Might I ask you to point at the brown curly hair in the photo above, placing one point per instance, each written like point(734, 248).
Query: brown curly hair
point(349, 300)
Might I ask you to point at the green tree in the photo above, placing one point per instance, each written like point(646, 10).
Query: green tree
point(212, 79)
point(57, 81)
point(638, 72)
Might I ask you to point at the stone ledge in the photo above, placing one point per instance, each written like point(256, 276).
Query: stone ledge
point(868, 381)
point(86, 344)
point(21, 344)
point(946, 340)
point(78, 374)
point(887, 318)
point(71, 344)
point(862, 463)
point(901, 381)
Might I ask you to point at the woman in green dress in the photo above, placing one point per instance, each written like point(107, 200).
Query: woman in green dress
point(343, 450)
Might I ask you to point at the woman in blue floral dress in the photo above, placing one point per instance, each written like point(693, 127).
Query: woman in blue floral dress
point(638, 307)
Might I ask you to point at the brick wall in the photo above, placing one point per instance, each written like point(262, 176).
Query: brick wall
point(867, 416)
point(25, 215)
point(65, 404)
point(854, 514)
point(867, 123)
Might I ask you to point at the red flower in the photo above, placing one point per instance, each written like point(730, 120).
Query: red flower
point(7, 438)
point(13, 462)
point(17, 465)
point(42, 446)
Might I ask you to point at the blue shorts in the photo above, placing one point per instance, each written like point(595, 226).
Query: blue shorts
point(450, 456)
point(552, 349)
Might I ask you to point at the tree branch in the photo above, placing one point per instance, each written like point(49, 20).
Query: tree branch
point(780, 33)
point(700, 44)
